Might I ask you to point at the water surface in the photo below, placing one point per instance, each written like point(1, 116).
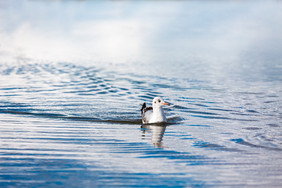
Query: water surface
point(74, 74)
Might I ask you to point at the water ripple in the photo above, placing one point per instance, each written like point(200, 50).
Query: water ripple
point(75, 118)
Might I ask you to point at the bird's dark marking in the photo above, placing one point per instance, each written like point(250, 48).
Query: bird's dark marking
point(145, 109)
point(143, 106)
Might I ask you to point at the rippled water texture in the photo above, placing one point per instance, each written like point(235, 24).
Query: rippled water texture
point(74, 74)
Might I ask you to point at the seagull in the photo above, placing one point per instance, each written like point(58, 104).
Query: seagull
point(154, 114)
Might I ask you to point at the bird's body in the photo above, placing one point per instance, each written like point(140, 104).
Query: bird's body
point(154, 114)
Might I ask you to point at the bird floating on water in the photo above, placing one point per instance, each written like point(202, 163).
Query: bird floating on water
point(154, 114)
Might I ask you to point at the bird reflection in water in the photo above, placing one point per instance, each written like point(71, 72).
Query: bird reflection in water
point(157, 131)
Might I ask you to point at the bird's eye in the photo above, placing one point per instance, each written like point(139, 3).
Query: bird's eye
point(155, 102)
point(159, 100)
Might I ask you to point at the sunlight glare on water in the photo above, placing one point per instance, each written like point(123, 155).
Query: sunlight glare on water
point(74, 74)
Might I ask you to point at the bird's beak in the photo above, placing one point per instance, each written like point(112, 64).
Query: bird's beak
point(165, 103)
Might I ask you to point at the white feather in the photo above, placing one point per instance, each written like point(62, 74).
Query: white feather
point(155, 115)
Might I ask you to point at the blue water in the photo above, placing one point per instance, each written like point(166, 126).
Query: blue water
point(74, 74)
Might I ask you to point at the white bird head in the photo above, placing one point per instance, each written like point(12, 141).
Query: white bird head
point(158, 102)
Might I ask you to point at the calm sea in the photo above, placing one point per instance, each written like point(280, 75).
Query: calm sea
point(74, 74)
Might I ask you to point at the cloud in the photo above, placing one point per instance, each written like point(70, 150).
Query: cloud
point(140, 31)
